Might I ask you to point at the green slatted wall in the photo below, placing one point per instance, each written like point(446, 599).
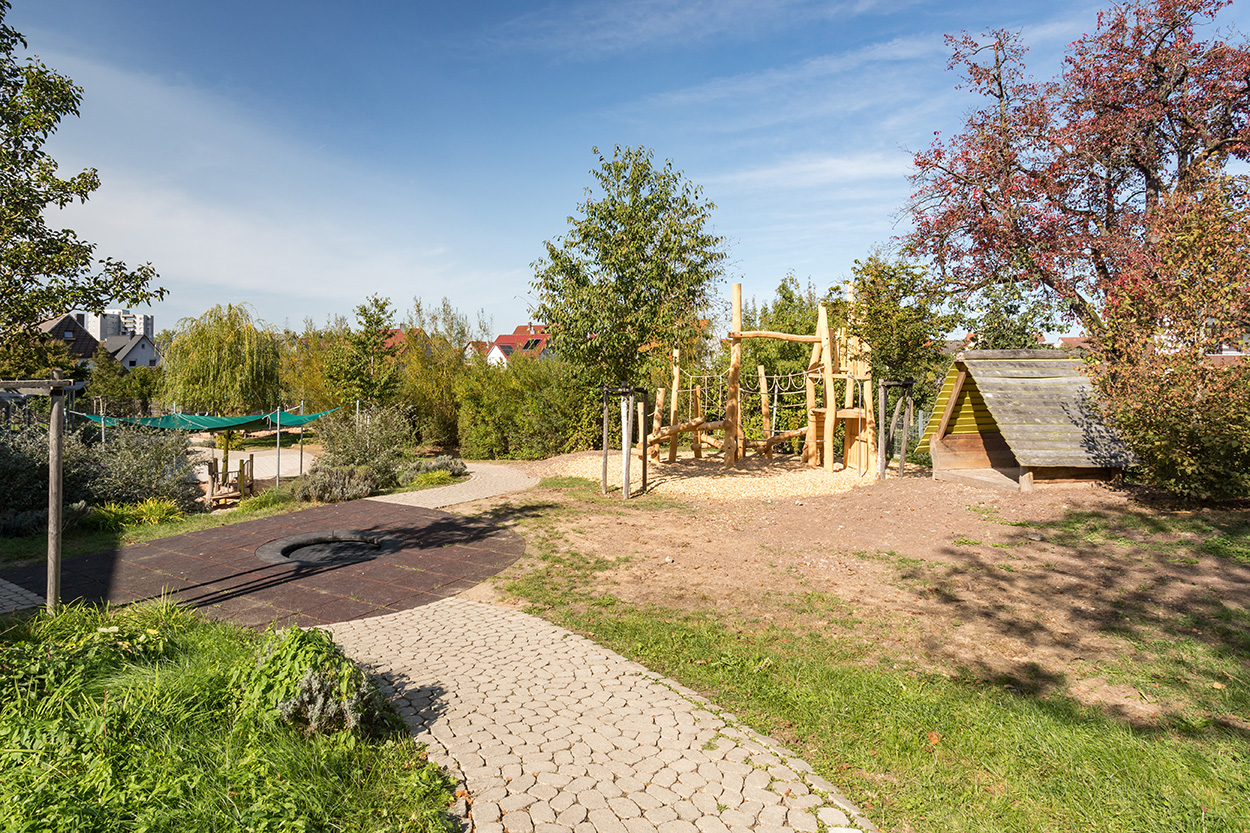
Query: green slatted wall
point(971, 414)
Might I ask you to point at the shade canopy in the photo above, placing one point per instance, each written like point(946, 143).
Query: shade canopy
point(194, 422)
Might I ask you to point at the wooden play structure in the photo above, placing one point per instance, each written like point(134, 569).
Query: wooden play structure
point(224, 486)
point(837, 388)
point(1008, 419)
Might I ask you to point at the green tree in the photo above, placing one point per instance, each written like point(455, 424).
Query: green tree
point(634, 273)
point(902, 318)
point(108, 384)
point(433, 365)
point(46, 272)
point(363, 366)
point(35, 355)
point(142, 386)
point(1011, 317)
point(224, 362)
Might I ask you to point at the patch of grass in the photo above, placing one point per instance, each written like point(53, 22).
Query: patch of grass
point(132, 720)
point(965, 542)
point(917, 750)
point(1179, 537)
point(588, 492)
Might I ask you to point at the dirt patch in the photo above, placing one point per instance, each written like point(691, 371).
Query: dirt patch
point(998, 586)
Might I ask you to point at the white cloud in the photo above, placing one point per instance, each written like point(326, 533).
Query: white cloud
point(819, 172)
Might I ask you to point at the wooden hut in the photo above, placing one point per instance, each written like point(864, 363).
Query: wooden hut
point(1010, 418)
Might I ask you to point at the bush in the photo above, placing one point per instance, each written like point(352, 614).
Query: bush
point(378, 441)
point(330, 484)
point(444, 462)
point(528, 409)
point(303, 678)
point(14, 524)
point(117, 516)
point(133, 465)
point(149, 718)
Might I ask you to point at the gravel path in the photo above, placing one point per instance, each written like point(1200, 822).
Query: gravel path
point(486, 481)
point(551, 733)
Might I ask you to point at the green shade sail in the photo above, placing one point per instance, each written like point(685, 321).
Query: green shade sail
point(193, 422)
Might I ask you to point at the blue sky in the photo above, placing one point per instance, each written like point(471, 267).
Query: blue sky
point(298, 156)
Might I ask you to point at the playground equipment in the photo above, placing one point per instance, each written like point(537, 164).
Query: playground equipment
point(837, 388)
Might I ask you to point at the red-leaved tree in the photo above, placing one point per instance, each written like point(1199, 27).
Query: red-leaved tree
point(1167, 380)
point(1053, 183)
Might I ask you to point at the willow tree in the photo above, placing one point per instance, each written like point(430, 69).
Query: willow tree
point(224, 362)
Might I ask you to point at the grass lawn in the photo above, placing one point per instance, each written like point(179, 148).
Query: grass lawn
point(925, 750)
point(141, 719)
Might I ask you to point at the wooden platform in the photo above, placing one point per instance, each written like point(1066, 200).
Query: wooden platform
point(1001, 479)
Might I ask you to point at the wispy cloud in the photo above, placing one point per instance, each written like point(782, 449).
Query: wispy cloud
point(819, 171)
point(604, 28)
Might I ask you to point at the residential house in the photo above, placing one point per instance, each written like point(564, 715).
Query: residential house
point(132, 350)
point(528, 340)
point(69, 329)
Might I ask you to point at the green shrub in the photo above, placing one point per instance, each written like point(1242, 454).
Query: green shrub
point(528, 409)
point(303, 678)
point(376, 440)
point(330, 484)
point(114, 517)
point(135, 719)
point(34, 521)
point(444, 462)
point(133, 464)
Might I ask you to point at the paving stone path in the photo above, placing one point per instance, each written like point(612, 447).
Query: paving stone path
point(486, 480)
point(551, 733)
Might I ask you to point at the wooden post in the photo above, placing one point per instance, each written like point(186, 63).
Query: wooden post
point(768, 426)
point(810, 455)
point(826, 366)
point(627, 420)
point(698, 412)
point(301, 441)
point(672, 408)
point(278, 465)
point(657, 420)
point(56, 449)
point(604, 479)
point(642, 437)
point(732, 407)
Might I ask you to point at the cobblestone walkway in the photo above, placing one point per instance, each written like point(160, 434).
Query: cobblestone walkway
point(552, 733)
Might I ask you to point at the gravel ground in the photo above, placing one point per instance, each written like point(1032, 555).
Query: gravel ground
point(754, 477)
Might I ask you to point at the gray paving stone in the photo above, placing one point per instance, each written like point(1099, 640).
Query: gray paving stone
point(557, 732)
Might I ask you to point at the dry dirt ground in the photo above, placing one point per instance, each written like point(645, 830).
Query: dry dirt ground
point(961, 581)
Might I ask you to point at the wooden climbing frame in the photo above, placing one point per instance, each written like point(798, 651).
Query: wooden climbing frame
point(837, 361)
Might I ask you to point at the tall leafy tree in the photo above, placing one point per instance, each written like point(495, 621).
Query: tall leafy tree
point(363, 365)
point(108, 383)
point(225, 362)
point(903, 319)
point(44, 271)
point(635, 271)
point(1052, 183)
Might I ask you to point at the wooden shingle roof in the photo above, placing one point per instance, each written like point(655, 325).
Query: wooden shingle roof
point(1043, 405)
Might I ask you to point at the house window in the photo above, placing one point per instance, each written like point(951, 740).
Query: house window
point(69, 334)
point(132, 362)
point(151, 362)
